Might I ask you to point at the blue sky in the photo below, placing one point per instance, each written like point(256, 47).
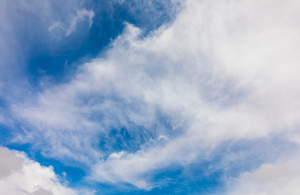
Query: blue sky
point(149, 97)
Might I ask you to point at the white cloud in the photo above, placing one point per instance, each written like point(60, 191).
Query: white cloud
point(221, 71)
point(80, 15)
point(282, 177)
point(58, 28)
point(24, 23)
point(20, 175)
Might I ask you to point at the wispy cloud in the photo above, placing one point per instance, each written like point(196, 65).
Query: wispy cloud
point(33, 20)
point(80, 15)
point(58, 28)
point(220, 71)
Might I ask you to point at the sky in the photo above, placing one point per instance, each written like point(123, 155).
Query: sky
point(141, 97)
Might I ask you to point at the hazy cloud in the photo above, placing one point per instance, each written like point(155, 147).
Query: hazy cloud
point(80, 15)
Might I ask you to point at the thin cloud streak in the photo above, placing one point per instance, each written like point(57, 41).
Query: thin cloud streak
point(80, 15)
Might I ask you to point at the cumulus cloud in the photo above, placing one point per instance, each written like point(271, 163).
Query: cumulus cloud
point(221, 71)
point(282, 177)
point(20, 175)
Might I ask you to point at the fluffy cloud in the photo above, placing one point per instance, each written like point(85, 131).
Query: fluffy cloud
point(221, 71)
point(282, 177)
point(20, 175)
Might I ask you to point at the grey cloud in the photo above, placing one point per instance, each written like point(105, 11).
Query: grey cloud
point(20, 175)
point(42, 192)
point(282, 177)
point(9, 162)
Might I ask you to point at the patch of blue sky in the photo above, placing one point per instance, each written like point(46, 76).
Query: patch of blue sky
point(171, 180)
point(117, 140)
point(5, 134)
point(178, 179)
point(53, 54)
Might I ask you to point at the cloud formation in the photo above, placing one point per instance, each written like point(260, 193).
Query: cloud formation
point(25, 27)
point(80, 16)
point(221, 71)
point(20, 175)
point(282, 177)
